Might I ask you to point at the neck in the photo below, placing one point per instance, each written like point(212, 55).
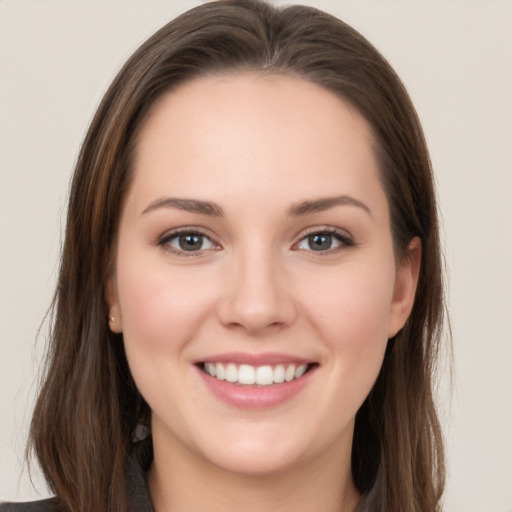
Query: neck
point(179, 483)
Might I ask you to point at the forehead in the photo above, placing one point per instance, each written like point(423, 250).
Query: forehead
point(247, 99)
point(223, 134)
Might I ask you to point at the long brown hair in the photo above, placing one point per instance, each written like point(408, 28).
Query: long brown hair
point(89, 407)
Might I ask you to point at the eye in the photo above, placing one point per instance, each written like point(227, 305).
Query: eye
point(324, 241)
point(187, 241)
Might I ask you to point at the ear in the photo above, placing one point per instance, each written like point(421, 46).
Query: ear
point(114, 312)
point(406, 282)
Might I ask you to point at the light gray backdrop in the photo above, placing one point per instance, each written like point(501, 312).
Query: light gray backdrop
point(57, 58)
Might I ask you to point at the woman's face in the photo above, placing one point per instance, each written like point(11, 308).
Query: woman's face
point(255, 282)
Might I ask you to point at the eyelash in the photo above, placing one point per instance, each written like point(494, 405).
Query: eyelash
point(345, 241)
point(167, 238)
point(342, 237)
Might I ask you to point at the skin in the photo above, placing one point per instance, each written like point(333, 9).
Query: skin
point(256, 146)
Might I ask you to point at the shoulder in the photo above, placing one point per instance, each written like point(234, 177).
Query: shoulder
point(48, 505)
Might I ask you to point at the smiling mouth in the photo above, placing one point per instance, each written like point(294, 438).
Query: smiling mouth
point(248, 375)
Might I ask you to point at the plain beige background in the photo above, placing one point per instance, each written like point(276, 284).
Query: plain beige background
point(56, 59)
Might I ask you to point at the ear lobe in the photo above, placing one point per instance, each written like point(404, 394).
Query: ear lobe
point(406, 282)
point(114, 312)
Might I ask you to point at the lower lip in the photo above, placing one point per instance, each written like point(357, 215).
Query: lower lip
point(251, 397)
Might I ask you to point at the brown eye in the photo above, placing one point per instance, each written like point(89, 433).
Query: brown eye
point(324, 241)
point(188, 242)
point(320, 242)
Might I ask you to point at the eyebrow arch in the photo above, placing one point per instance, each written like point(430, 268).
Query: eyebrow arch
point(325, 203)
point(188, 205)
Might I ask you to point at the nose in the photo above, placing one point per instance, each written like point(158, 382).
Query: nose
point(258, 297)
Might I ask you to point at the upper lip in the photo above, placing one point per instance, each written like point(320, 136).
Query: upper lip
point(264, 358)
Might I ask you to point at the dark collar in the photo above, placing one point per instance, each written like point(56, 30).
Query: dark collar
point(136, 472)
point(138, 494)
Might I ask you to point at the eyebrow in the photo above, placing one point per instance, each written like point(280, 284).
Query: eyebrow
point(325, 203)
point(214, 210)
point(188, 205)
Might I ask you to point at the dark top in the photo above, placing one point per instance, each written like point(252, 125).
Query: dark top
point(138, 494)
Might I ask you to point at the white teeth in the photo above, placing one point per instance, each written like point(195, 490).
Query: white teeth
point(259, 375)
point(264, 375)
point(220, 372)
point(279, 374)
point(301, 370)
point(246, 374)
point(231, 373)
point(210, 368)
point(289, 374)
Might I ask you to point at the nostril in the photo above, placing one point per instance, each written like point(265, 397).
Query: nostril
point(257, 303)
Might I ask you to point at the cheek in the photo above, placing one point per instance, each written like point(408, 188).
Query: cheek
point(158, 304)
point(352, 303)
point(161, 312)
point(350, 312)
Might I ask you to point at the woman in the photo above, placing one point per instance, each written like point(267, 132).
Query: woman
point(249, 302)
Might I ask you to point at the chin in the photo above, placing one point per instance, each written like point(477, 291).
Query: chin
point(254, 461)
